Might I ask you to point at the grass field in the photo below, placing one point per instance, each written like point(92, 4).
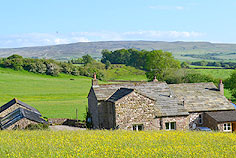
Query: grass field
point(54, 97)
point(116, 144)
point(215, 73)
point(122, 72)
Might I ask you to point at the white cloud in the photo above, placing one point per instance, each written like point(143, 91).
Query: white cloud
point(41, 39)
point(164, 7)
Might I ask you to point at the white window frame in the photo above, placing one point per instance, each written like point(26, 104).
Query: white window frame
point(200, 119)
point(169, 125)
point(136, 127)
point(227, 127)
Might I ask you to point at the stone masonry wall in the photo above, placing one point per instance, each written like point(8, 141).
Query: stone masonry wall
point(182, 122)
point(209, 122)
point(221, 128)
point(106, 115)
point(135, 109)
point(93, 109)
point(10, 109)
point(194, 119)
point(21, 124)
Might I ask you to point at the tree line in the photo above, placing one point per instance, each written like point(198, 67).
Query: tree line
point(227, 65)
point(155, 63)
point(49, 66)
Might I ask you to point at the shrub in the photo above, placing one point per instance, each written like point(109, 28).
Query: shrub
point(38, 126)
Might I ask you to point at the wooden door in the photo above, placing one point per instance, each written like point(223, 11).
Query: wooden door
point(233, 126)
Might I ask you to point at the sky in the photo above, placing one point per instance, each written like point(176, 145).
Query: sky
point(25, 23)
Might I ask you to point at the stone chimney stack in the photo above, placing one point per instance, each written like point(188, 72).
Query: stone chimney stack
point(94, 81)
point(221, 87)
point(155, 79)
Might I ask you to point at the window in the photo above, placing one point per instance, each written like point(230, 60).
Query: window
point(170, 125)
point(138, 127)
point(200, 119)
point(227, 127)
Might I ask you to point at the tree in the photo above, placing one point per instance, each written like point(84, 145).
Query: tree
point(87, 59)
point(184, 65)
point(106, 55)
point(14, 56)
point(159, 63)
point(107, 64)
point(234, 92)
point(231, 81)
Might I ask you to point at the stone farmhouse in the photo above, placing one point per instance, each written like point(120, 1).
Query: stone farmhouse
point(16, 114)
point(160, 106)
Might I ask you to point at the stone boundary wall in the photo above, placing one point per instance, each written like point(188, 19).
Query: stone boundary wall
point(68, 122)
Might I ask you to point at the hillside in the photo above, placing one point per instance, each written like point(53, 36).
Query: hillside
point(181, 50)
point(56, 97)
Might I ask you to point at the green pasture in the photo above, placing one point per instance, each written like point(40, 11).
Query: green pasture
point(122, 72)
point(54, 97)
point(215, 73)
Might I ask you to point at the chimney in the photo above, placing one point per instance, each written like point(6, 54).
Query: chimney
point(221, 87)
point(94, 81)
point(155, 79)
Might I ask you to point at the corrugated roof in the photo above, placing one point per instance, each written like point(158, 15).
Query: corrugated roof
point(200, 97)
point(13, 101)
point(223, 116)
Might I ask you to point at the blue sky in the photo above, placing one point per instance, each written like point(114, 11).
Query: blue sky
point(48, 22)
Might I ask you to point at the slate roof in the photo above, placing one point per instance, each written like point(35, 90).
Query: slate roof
point(19, 114)
point(32, 116)
point(158, 91)
point(200, 97)
point(14, 101)
point(120, 93)
point(223, 116)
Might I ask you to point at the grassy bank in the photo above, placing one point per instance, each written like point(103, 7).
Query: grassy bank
point(54, 97)
point(116, 144)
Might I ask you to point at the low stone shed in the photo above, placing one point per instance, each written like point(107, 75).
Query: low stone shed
point(224, 121)
point(18, 115)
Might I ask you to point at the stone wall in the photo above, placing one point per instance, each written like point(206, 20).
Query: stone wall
point(93, 108)
point(57, 121)
point(21, 124)
point(209, 122)
point(135, 109)
point(182, 122)
point(194, 119)
point(221, 127)
point(106, 112)
point(12, 108)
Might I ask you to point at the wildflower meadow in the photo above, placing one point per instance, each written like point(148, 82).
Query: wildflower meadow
point(86, 143)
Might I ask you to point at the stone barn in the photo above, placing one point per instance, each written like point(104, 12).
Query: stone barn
point(154, 105)
point(13, 105)
point(20, 119)
point(16, 114)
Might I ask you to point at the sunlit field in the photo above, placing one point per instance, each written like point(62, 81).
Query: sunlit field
point(116, 144)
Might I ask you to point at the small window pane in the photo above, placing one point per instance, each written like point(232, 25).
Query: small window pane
point(140, 127)
point(167, 125)
point(134, 127)
point(172, 124)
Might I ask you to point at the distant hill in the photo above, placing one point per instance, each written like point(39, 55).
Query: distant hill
point(181, 50)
